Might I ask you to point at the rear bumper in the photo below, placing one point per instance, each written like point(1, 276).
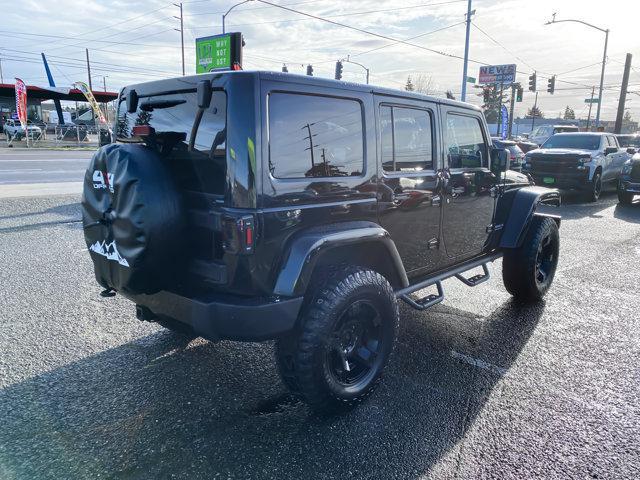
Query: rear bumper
point(219, 317)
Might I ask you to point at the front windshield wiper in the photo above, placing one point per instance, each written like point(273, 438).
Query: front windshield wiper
point(151, 105)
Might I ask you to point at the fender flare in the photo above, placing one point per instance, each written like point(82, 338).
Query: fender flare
point(522, 210)
point(306, 248)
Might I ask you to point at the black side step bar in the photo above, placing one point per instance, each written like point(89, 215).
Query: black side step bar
point(431, 300)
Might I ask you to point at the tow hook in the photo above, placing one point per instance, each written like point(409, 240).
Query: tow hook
point(109, 292)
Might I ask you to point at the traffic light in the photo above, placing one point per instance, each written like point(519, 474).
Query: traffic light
point(310, 70)
point(551, 87)
point(284, 68)
point(486, 95)
point(519, 92)
point(338, 70)
point(532, 82)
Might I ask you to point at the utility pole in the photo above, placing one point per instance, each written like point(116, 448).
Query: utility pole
point(308, 127)
point(499, 129)
point(514, 86)
point(1, 77)
point(463, 95)
point(593, 92)
point(106, 110)
point(604, 62)
point(93, 115)
point(179, 5)
point(623, 94)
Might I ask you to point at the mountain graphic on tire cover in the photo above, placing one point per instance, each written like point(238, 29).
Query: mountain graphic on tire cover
point(136, 226)
point(110, 251)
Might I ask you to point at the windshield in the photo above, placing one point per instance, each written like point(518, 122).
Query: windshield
point(580, 142)
point(629, 140)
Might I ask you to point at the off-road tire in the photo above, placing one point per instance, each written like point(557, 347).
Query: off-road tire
point(625, 198)
point(302, 357)
point(520, 269)
point(595, 188)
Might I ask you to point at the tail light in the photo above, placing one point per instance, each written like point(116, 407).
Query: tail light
point(239, 234)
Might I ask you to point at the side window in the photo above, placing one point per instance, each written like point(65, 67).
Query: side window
point(465, 145)
point(406, 139)
point(315, 136)
point(612, 141)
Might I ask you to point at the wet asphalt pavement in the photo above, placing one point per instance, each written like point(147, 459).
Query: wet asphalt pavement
point(479, 387)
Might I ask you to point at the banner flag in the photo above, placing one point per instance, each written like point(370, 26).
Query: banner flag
point(21, 102)
point(84, 88)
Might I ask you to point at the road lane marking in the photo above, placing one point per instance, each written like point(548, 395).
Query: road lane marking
point(21, 170)
point(476, 362)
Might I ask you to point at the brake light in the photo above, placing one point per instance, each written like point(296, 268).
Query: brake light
point(236, 66)
point(143, 130)
point(239, 234)
point(248, 236)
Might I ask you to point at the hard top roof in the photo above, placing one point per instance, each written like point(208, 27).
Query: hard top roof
point(303, 80)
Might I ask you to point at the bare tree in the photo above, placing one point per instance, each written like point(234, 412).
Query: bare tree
point(423, 84)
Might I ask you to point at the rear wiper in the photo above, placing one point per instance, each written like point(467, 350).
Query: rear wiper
point(150, 105)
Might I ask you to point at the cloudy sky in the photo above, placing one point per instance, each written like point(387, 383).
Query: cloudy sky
point(134, 40)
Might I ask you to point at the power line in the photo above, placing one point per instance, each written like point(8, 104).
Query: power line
point(501, 45)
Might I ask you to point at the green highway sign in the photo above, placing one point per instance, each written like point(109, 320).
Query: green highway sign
point(219, 52)
point(471, 80)
point(591, 100)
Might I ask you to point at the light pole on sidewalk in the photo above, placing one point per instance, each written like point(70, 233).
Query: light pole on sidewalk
point(234, 6)
point(604, 57)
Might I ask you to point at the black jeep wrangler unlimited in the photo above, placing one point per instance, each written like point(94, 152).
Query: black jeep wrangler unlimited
point(255, 205)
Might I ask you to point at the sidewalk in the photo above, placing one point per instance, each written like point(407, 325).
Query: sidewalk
point(40, 189)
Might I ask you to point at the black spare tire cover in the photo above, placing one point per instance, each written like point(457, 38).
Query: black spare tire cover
point(132, 217)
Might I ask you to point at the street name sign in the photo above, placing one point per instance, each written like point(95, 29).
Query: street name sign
point(591, 100)
point(501, 74)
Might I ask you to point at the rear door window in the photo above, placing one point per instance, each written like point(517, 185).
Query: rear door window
point(315, 136)
point(465, 145)
point(406, 139)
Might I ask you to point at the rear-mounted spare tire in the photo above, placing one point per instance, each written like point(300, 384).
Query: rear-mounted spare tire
point(133, 220)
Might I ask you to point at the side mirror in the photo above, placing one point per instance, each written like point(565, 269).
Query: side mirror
point(631, 151)
point(499, 160)
point(610, 150)
point(132, 101)
point(204, 94)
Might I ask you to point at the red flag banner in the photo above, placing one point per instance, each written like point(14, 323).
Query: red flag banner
point(21, 102)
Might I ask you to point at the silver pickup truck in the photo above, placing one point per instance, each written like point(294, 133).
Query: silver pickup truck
point(580, 161)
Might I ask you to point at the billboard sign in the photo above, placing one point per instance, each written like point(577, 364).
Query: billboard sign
point(219, 52)
point(501, 74)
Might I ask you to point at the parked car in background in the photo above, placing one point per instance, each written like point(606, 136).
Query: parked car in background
point(629, 180)
point(582, 161)
point(516, 155)
point(13, 128)
point(526, 145)
point(629, 141)
point(542, 133)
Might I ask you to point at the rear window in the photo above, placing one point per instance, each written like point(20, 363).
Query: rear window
point(581, 142)
point(315, 136)
point(566, 129)
point(629, 141)
point(172, 116)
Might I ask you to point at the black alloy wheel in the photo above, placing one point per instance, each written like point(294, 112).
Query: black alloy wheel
point(346, 334)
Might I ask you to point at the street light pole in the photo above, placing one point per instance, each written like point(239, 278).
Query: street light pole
point(234, 6)
point(356, 63)
point(604, 58)
point(463, 95)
